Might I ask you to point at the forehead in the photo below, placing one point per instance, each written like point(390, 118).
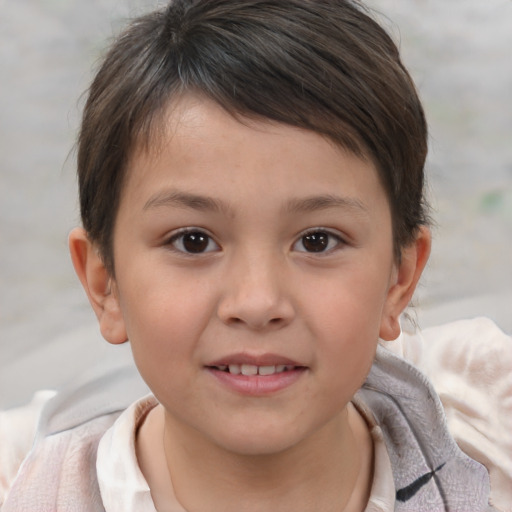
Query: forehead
point(200, 146)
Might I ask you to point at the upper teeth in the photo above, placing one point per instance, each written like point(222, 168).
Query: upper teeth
point(250, 369)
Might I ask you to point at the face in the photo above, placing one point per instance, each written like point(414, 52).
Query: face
point(254, 263)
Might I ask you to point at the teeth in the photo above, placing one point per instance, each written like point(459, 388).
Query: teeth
point(234, 369)
point(249, 369)
point(267, 370)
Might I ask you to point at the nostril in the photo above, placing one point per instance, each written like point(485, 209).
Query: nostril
point(256, 311)
point(257, 324)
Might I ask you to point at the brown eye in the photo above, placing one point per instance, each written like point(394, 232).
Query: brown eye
point(193, 242)
point(317, 241)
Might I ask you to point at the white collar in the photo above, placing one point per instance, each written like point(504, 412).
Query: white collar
point(124, 488)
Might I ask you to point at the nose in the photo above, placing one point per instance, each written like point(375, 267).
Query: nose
point(256, 294)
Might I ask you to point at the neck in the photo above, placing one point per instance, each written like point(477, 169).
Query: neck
point(329, 472)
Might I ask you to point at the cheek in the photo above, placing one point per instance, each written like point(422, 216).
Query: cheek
point(157, 298)
point(344, 317)
point(164, 321)
point(345, 352)
point(347, 338)
point(349, 302)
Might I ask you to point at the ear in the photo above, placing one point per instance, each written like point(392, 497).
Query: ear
point(98, 285)
point(414, 257)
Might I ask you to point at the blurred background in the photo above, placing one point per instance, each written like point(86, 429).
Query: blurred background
point(458, 51)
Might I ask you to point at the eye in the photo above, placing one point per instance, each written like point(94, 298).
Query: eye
point(317, 241)
point(193, 241)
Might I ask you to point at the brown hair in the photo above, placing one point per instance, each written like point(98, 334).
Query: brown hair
point(323, 65)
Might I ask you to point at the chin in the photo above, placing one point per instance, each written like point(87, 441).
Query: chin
point(250, 447)
point(250, 441)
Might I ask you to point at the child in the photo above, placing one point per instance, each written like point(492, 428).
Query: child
point(251, 190)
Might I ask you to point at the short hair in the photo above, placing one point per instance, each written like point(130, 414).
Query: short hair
point(321, 65)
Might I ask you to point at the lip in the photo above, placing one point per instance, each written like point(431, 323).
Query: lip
point(255, 359)
point(256, 385)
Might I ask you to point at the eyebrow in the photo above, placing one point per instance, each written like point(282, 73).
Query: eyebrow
point(324, 202)
point(177, 199)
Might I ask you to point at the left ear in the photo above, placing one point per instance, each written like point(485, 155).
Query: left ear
point(414, 257)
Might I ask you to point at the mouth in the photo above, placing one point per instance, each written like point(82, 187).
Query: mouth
point(256, 376)
point(252, 369)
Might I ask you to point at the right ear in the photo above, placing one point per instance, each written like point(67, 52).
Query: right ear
point(98, 285)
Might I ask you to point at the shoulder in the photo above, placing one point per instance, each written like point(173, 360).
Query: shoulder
point(430, 471)
point(56, 458)
point(472, 348)
point(469, 363)
point(17, 431)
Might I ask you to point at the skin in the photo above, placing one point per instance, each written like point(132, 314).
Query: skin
point(254, 190)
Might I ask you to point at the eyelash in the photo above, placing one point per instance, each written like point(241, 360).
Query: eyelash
point(315, 235)
point(180, 235)
point(325, 249)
